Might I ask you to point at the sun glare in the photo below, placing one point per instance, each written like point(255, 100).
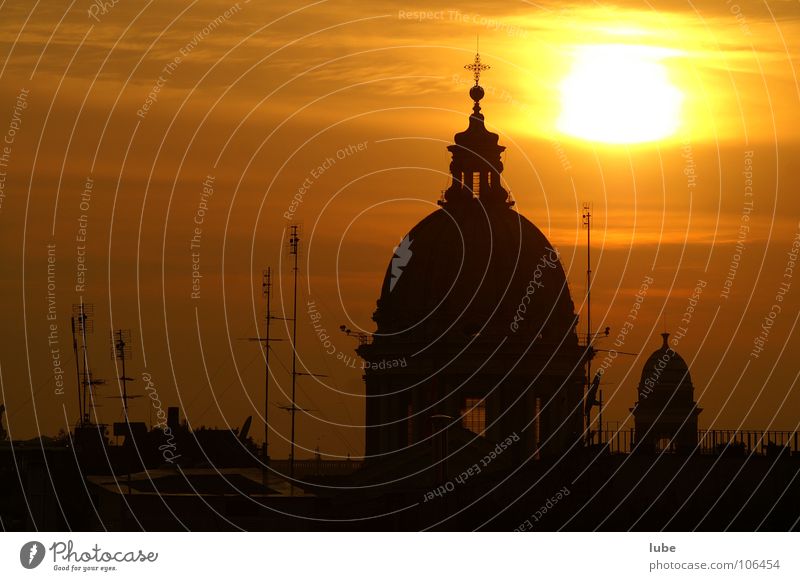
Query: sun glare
point(620, 94)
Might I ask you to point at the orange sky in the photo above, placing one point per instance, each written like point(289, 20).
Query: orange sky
point(148, 99)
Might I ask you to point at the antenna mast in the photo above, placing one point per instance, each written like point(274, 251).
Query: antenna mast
point(294, 250)
point(121, 349)
point(266, 286)
point(294, 246)
point(75, 327)
point(82, 314)
point(587, 223)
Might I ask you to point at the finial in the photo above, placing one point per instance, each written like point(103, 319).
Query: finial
point(665, 335)
point(476, 67)
point(476, 92)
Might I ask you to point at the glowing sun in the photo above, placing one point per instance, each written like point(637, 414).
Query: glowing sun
point(620, 93)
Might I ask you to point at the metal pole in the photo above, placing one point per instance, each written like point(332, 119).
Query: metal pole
point(86, 378)
point(124, 377)
point(588, 217)
point(294, 243)
point(77, 369)
point(267, 291)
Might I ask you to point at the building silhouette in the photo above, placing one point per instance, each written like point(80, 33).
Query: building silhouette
point(665, 414)
point(475, 323)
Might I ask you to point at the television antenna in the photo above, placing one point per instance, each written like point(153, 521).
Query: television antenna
point(294, 250)
point(83, 324)
point(266, 289)
point(121, 350)
point(591, 385)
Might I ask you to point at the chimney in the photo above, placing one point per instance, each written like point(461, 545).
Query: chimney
point(173, 418)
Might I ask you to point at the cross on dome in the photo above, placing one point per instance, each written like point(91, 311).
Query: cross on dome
point(477, 67)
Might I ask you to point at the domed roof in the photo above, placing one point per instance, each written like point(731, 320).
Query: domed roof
point(665, 369)
point(475, 268)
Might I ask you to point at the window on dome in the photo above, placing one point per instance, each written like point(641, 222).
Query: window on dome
point(473, 415)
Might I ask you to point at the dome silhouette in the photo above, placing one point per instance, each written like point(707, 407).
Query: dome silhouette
point(475, 323)
point(466, 271)
point(666, 414)
point(665, 370)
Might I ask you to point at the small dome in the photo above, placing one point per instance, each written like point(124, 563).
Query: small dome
point(664, 370)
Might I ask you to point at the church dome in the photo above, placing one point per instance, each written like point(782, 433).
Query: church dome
point(476, 266)
point(473, 268)
point(665, 371)
point(474, 322)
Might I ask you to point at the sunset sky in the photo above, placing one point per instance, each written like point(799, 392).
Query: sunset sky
point(336, 115)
